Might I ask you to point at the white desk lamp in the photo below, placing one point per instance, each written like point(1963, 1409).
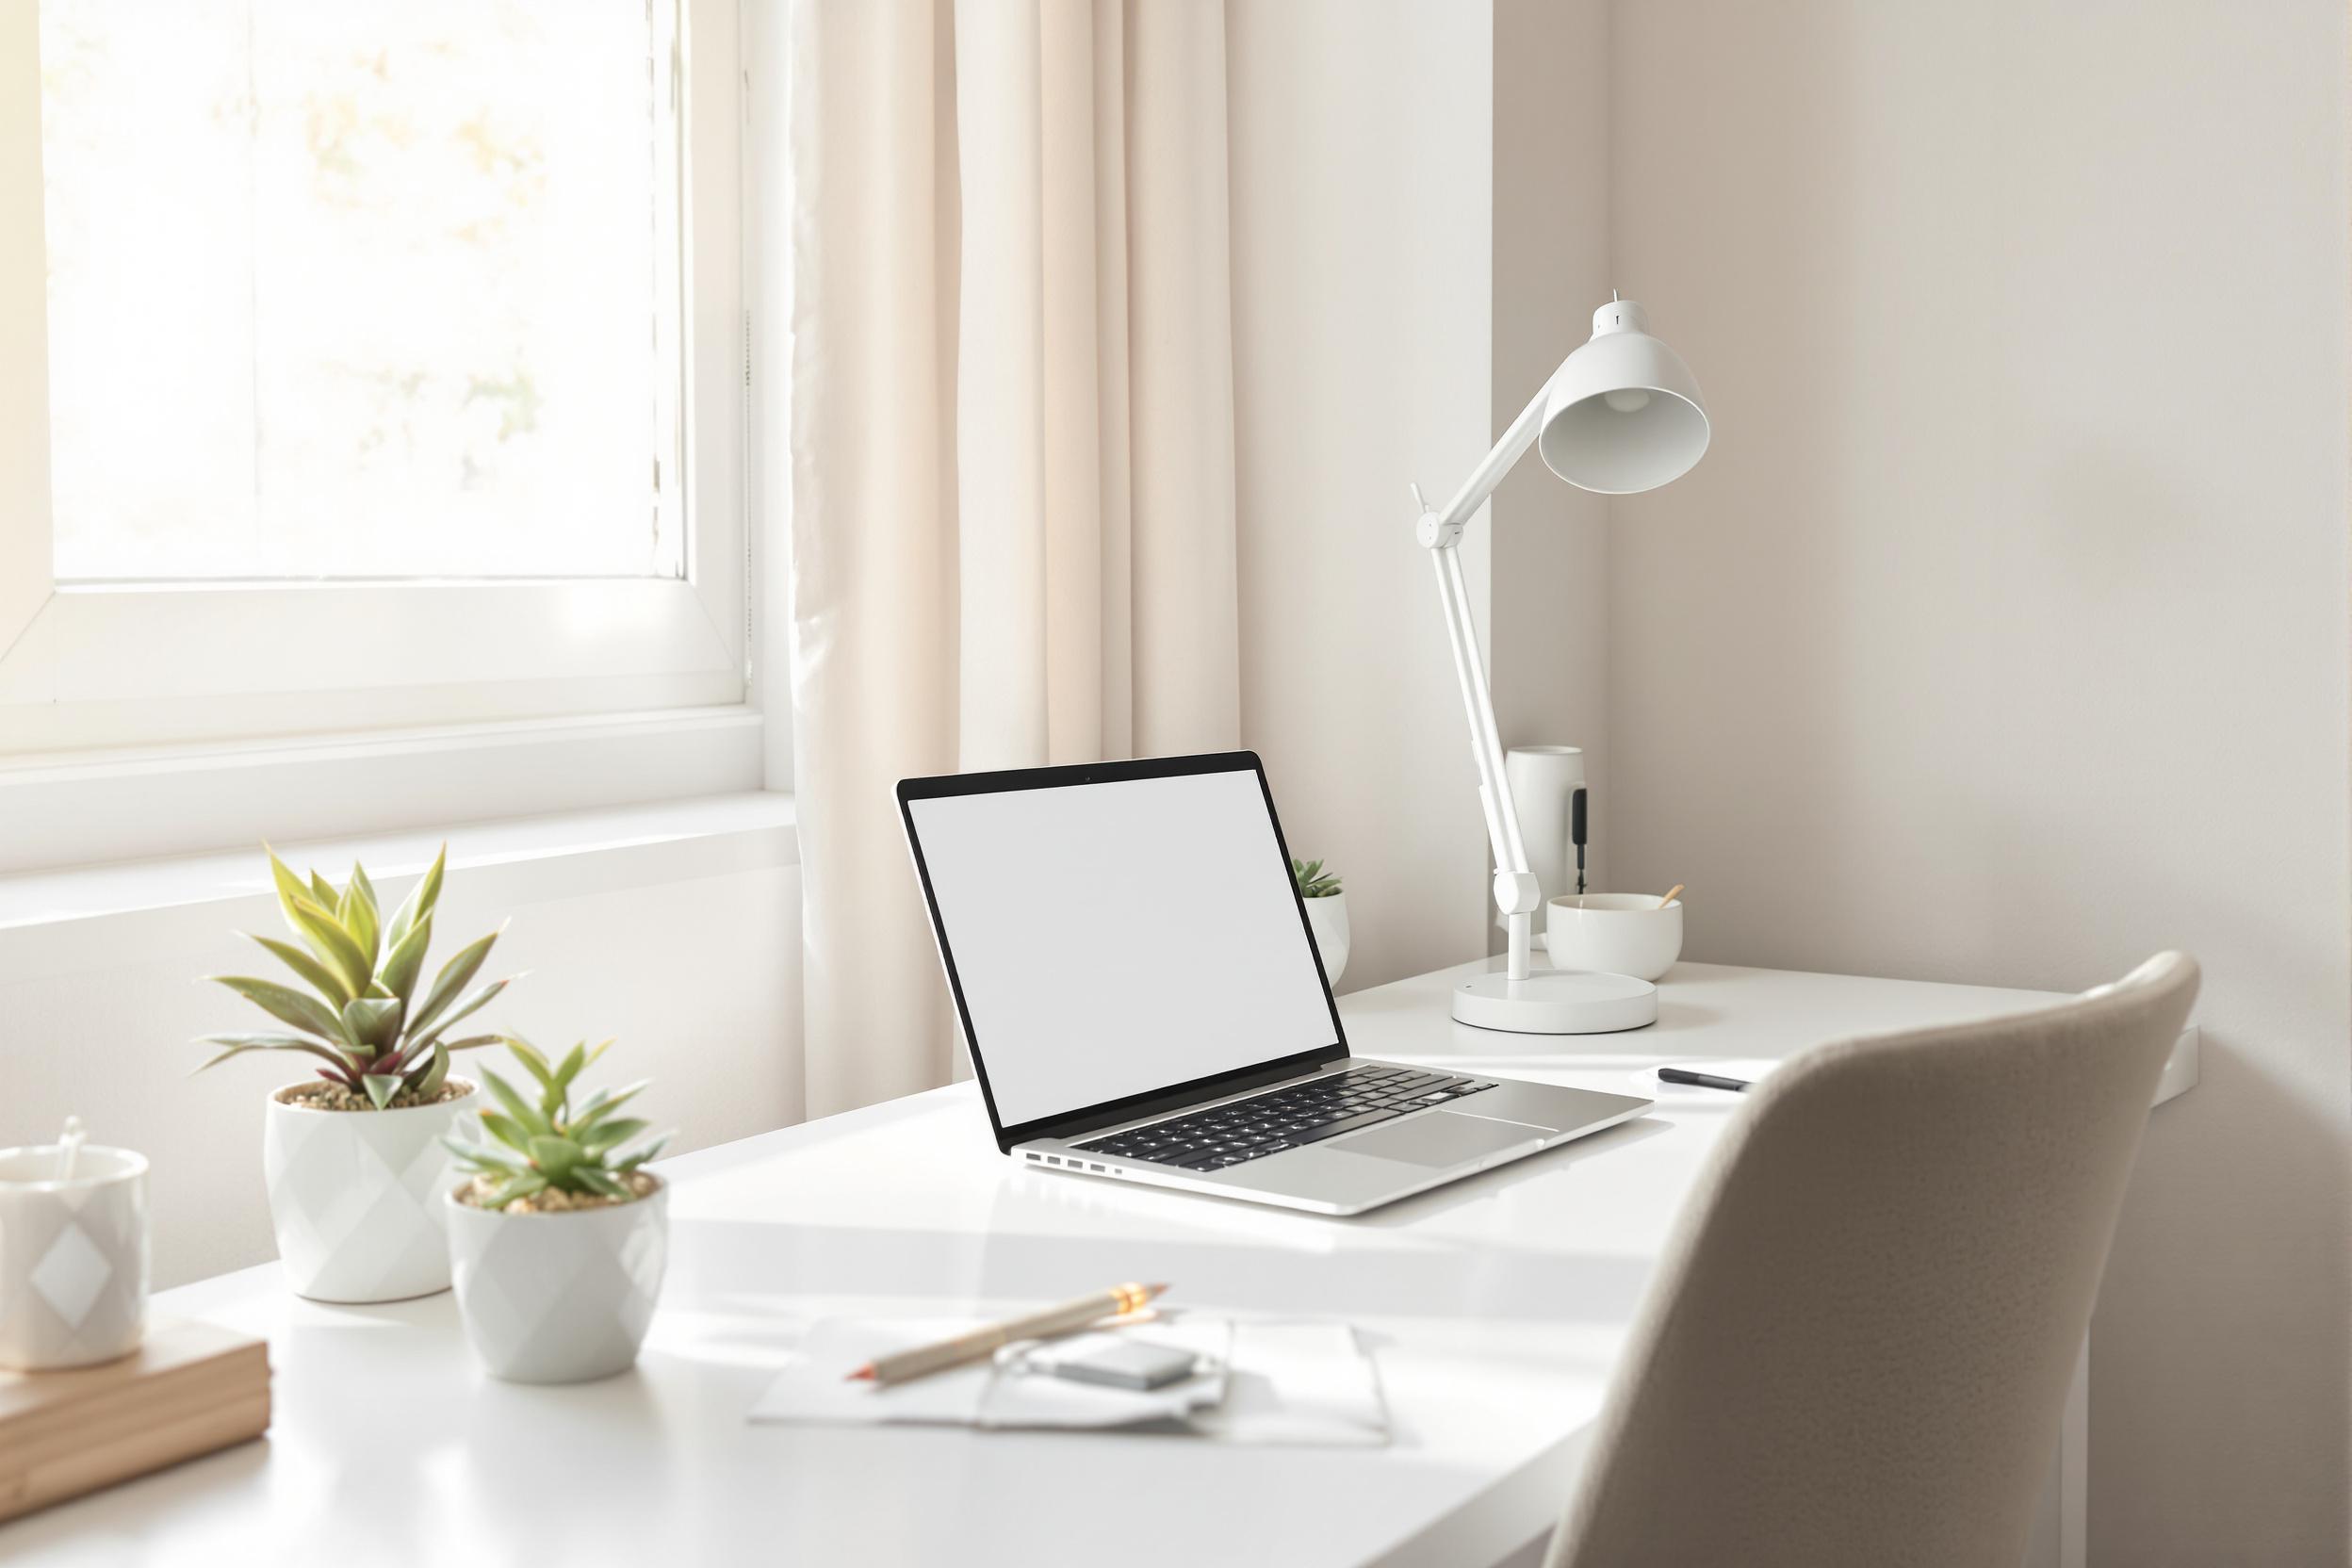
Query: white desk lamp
point(1621, 415)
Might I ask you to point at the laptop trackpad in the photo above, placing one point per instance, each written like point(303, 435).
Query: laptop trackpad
point(1441, 1139)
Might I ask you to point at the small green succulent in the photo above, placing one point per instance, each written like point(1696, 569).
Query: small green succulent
point(365, 1015)
point(545, 1143)
point(1313, 881)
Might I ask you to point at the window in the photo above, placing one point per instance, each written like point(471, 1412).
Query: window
point(388, 355)
point(375, 289)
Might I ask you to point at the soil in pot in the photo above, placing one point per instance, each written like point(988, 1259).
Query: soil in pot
point(554, 1200)
point(320, 1095)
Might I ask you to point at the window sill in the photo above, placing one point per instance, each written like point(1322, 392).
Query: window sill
point(85, 916)
point(68, 812)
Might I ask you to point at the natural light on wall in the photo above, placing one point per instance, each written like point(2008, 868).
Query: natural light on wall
point(370, 290)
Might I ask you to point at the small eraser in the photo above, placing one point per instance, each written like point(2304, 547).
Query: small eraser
point(1129, 1363)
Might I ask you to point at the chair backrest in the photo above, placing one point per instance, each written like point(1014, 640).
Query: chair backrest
point(1859, 1342)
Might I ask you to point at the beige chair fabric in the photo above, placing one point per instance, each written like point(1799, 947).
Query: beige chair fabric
point(1859, 1342)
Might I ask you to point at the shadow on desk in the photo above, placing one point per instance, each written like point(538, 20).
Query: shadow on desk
point(798, 1271)
point(1053, 1236)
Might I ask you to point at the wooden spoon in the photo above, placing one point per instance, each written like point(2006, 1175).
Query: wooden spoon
point(1670, 897)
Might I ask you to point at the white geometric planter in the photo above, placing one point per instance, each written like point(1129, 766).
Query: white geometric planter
point(1328, 918)
point(559, 1297)
point(356, 1197)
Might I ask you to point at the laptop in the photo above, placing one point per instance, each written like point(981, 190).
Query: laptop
point(1143, 1001)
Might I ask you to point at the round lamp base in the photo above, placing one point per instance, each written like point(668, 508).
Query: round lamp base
point(1553, 1001)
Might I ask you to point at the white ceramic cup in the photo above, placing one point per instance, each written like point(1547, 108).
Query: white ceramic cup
point(1614, 934)
point(73, 1257)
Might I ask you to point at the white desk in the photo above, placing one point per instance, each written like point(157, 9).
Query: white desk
point(1498, 1306)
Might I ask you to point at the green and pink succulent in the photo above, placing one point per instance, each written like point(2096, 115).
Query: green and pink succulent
point(364, 1007)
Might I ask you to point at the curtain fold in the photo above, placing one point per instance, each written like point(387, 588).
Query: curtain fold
point(1011, 439)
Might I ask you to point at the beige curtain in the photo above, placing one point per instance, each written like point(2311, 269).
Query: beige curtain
point(1011, 443)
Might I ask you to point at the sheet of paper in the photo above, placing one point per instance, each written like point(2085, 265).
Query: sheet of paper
point(816, 1387)
point(1025, 1394)
point(1287, 1383)
point(1298, 1383)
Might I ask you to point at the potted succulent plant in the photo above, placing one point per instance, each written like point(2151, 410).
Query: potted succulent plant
point(1326, 914)
point(558, 1236)
point(353, 1157)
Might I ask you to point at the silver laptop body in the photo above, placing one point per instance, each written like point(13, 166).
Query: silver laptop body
point(1142, 999)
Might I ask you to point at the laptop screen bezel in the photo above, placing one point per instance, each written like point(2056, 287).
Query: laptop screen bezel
point(1086, 1118)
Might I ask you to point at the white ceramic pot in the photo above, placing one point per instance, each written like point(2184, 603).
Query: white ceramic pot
point(1328, 918)
point(73, 1257)
point(559, 1297)
point(1614, 934)
point(356, 1197)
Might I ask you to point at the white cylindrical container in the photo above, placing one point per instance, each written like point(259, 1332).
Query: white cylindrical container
point(559, 1297)
point(1328, 918)
point(72, 1256)
point(356, 1197)
point(1543, 783)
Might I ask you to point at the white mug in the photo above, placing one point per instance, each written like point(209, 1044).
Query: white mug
point(73, 1257)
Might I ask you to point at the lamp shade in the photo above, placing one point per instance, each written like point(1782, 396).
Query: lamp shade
point(1622, 412)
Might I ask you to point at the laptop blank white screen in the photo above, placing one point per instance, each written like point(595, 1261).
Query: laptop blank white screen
point(1115, 938)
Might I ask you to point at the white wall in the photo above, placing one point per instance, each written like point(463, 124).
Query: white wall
point(1360, 151)
point(1551, 621)
point(689, 954)
point(2002, 635)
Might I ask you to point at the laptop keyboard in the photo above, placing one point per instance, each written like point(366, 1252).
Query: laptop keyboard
point(1244, 1130)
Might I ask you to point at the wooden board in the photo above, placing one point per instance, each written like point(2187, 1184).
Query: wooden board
point(190, 1389)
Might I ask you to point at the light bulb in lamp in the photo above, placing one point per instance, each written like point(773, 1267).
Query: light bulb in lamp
point(1622, 412)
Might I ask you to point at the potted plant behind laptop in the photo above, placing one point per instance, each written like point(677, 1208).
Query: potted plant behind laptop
point(1326, 914)
point(353, 1156)
point(558, 1236)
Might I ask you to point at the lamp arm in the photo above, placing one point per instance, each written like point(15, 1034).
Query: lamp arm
point(1489, 472)
point(1516, 891)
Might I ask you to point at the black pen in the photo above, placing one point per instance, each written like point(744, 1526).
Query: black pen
point(1700, 1079)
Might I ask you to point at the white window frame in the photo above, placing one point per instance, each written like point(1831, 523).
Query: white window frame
point(92, 672)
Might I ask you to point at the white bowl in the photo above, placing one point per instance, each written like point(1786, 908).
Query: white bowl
point(1614, 934)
